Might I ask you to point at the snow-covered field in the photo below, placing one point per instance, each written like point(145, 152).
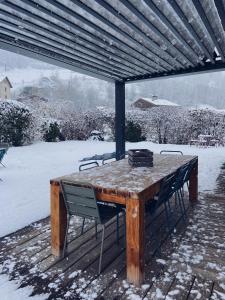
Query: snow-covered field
point(25, 186)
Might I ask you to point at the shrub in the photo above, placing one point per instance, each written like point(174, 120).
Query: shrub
point(16, 123)
point(133, 132)
point(51, 132)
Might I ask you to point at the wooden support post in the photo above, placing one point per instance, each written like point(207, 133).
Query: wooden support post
point(193, 183)
point(135, 240)
point(58, 219)
point(120, 119)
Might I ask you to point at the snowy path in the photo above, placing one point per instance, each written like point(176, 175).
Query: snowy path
point(25, 186)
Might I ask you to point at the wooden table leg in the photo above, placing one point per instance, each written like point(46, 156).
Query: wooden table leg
point(193, 184)
point(58, 220)
point(135, 241)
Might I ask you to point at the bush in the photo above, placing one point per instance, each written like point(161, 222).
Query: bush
point(16, 123)
point(133, 132)
point(51, 132)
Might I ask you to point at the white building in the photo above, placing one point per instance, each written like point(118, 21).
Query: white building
point(5, 88)
point(146, 103)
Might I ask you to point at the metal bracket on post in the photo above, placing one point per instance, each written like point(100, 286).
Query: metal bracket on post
point(120, 119)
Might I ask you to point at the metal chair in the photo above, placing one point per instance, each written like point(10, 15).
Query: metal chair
point(89, 165)
point(3, 151)
point(189, 170)
point(80, 200)
point(171, 151)
point(178, 188)
point(120, 208)
point(163, 198)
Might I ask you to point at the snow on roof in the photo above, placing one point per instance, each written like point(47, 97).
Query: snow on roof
point(159, 102)
point(3, 76)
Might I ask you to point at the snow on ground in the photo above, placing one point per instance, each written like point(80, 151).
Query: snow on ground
point(25, 186)
point(9, 291)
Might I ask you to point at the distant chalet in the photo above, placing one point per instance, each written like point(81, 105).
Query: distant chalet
point(146, 103)
point(5, 87)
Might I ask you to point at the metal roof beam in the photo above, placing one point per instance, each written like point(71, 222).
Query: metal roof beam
point(73, 58)
point(137, 30)
point(89, 46)
point(221, 11)
point(110, 36)
point(50, 60)
point(60, 45)
point(190, 29)
point(156, 31)
point(170, 26)
point(208, 26)
point(207, 68)
point(130, 58)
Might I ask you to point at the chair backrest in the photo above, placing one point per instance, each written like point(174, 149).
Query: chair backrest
point(166, 189)
point(171, 151)
point(80, 199)
point(2, 153)
point(189, 170)
point(180, 177)
point(89, 165)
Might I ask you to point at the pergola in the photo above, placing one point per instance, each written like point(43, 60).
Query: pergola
point(120, 41)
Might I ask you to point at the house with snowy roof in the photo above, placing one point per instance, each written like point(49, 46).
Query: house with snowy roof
point(154, 101)
point(5, 87)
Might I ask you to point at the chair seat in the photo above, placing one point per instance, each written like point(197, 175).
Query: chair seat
point(107, 212)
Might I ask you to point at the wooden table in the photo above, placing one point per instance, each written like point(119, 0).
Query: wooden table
point(119, 183)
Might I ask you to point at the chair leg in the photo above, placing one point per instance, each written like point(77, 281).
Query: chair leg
point(169, 227)
point(96, 229)
point(101, 251)
point(179, 195)
point(182, 203)
point(65, 240)
point(2, 165)
point(117, 228)
point(82, 228)
point(124, 224)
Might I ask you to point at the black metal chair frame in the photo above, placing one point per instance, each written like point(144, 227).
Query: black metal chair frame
point(81, 201)
point(90, 165)
point(171, 151)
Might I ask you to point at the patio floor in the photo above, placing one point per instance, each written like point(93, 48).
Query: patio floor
point(191, 264)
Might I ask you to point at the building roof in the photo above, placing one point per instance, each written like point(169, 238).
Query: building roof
point(2, 77)
point(158, 102)
point(124, 40)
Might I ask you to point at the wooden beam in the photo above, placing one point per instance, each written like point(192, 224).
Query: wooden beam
point(58, 220)
point(135, 210)
point(193, 184)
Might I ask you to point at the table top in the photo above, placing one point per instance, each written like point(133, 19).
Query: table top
point(120, 178)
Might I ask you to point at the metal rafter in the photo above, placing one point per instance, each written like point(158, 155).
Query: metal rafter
point(221, 11)
point(208, 27)
point(154, 29)
point(39, 40)
point(190, 29)
point(207, 68)
point(170, 26)
point(110, 36)
point(52, 59)
point(52, 31)
point(124, 57)
point(122, 32)
point(83, 52)
point(134, 56)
